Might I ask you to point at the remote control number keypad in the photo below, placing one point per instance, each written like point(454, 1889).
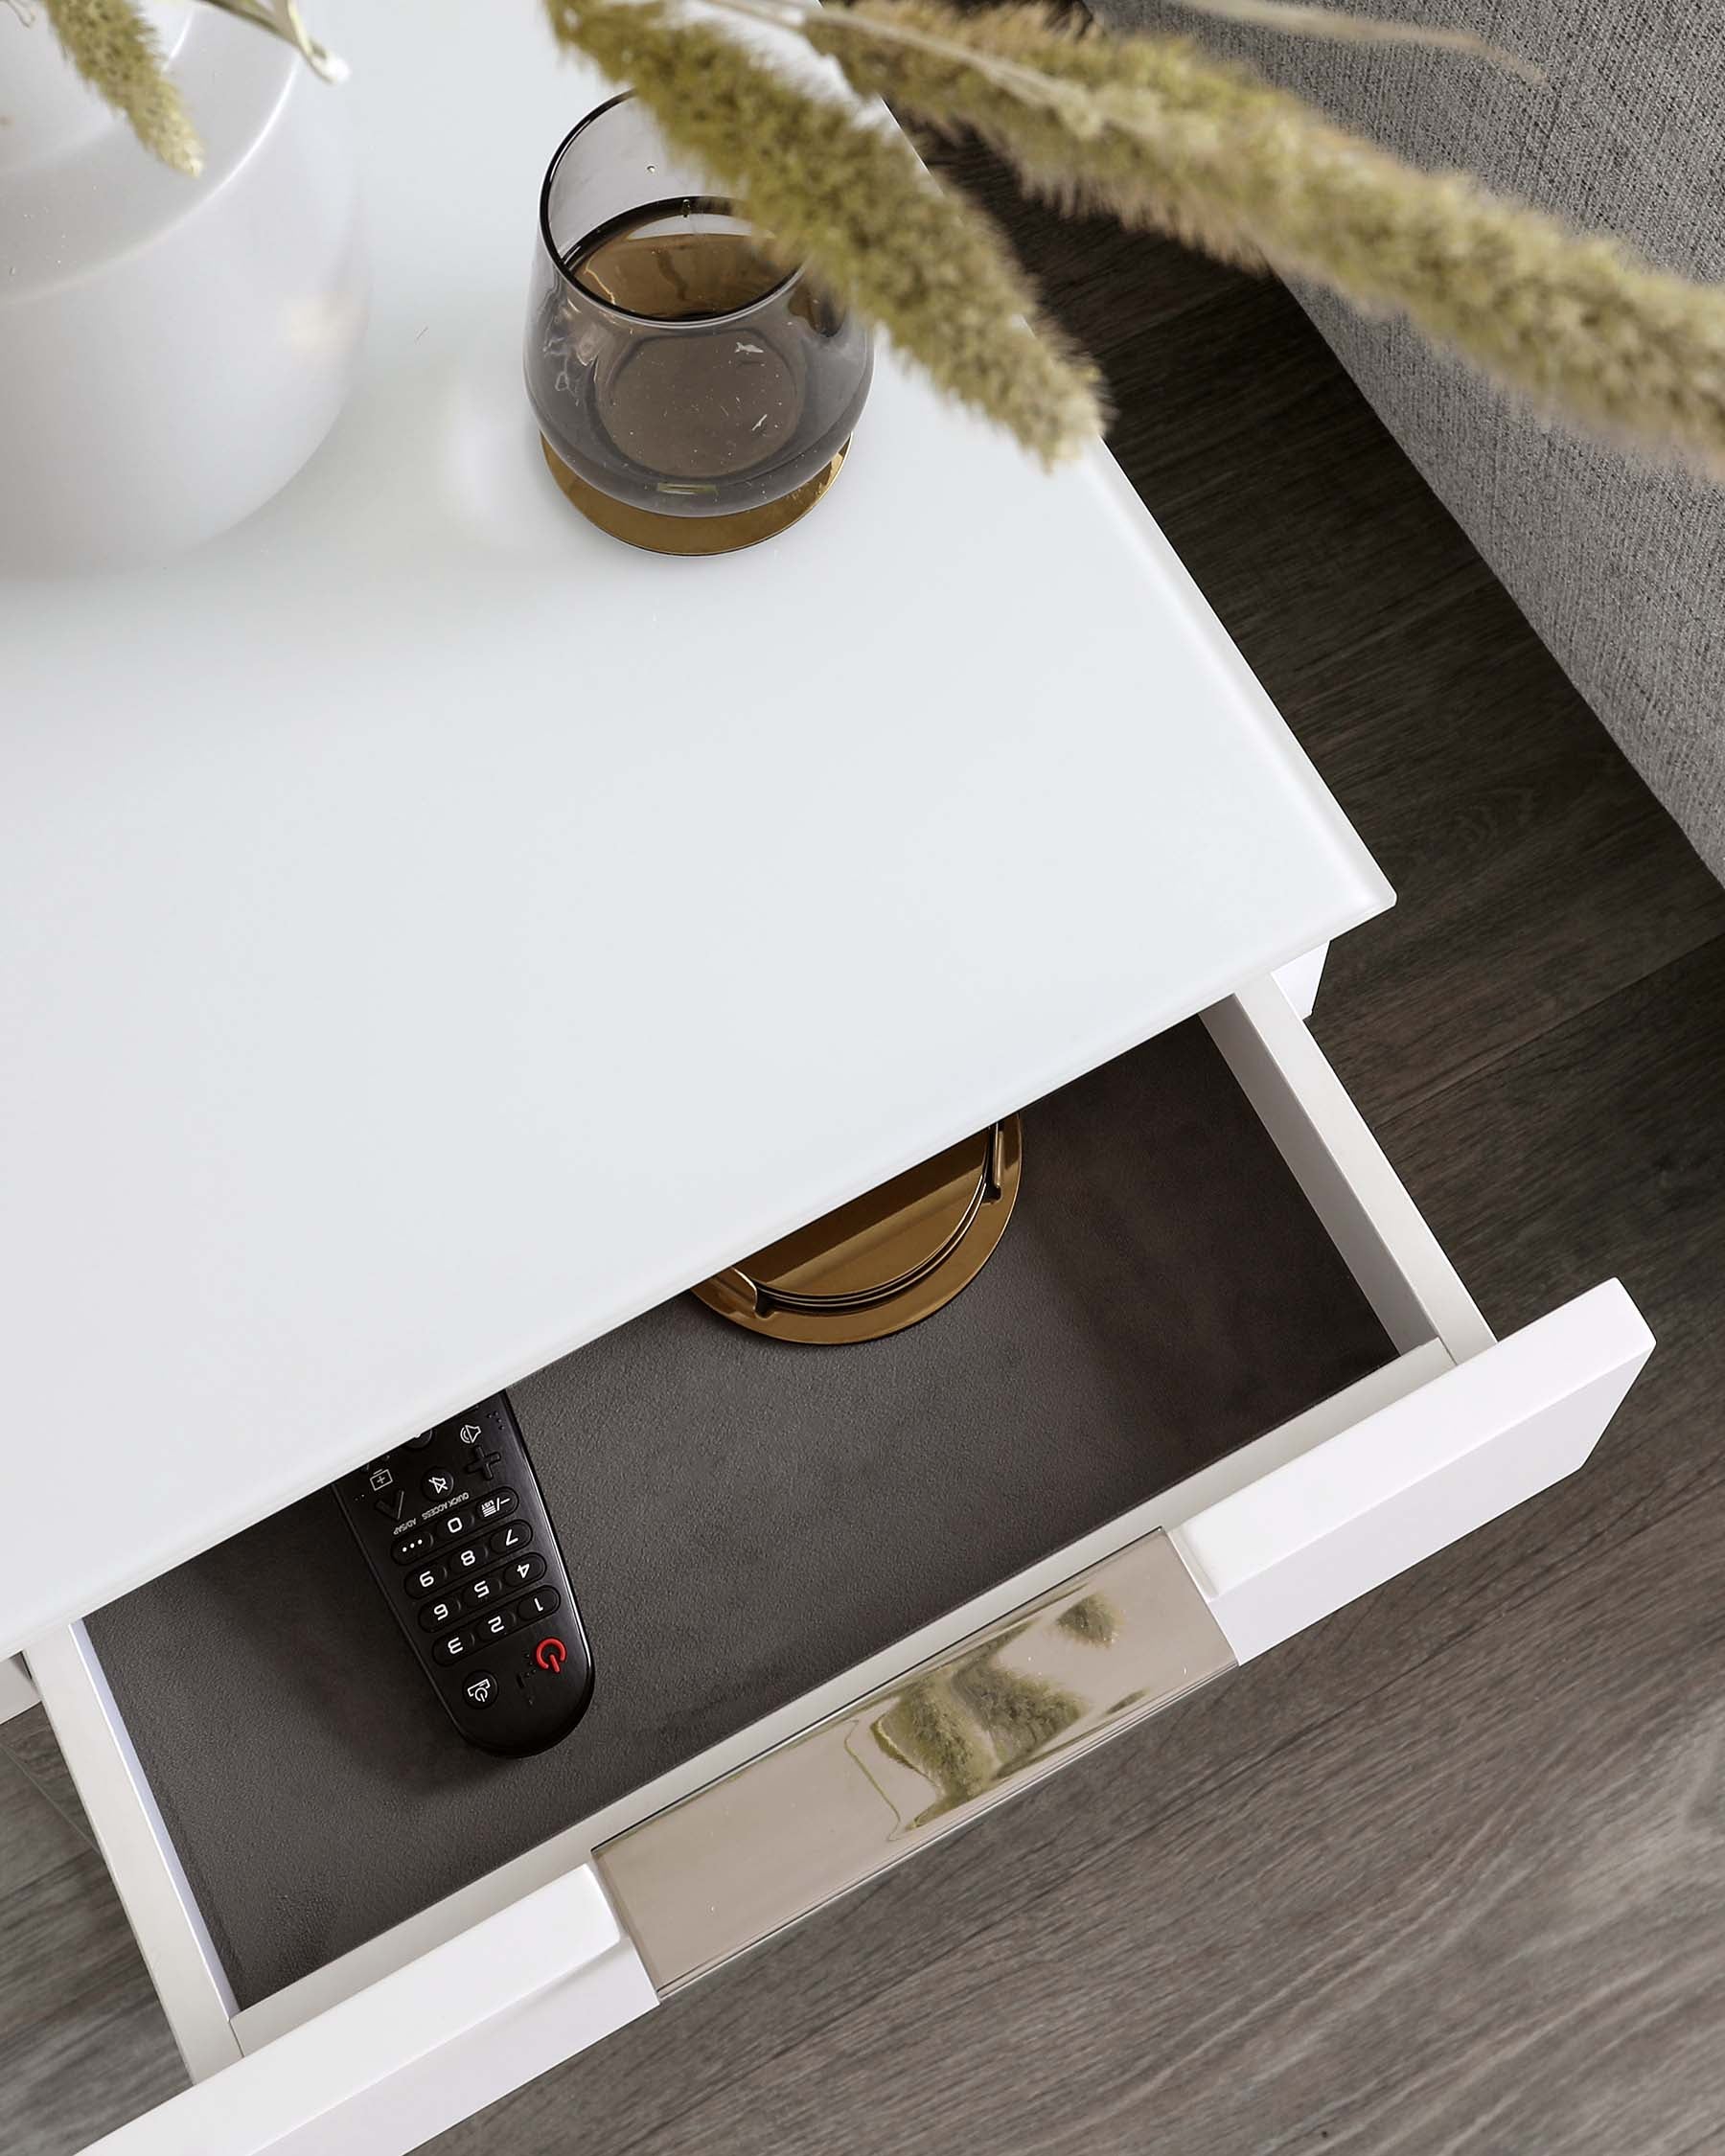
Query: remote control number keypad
point(459, 1566)
point(499, 1625)
point(480, 1595)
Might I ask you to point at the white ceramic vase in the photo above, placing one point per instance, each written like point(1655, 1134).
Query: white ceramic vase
point(172, 350)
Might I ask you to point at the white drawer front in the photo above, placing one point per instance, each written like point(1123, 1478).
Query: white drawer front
point(1331, 1525)
point(376, 2050)
point(722, 1870)
point(424, 2048)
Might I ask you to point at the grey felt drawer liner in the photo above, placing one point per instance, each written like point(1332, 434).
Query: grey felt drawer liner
point(744, 1519)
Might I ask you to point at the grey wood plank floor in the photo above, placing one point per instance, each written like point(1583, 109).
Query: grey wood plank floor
point(1447, 1874)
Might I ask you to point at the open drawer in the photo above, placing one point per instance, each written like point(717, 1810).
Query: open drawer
point(1218, 1381)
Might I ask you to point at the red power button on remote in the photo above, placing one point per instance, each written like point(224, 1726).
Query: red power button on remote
point(551, 1655)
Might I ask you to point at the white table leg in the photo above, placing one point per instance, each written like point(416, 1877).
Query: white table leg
point(1298, 979)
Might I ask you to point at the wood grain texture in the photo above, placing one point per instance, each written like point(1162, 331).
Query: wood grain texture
point(29, 1740)
point(1535, 874)
point(1448, 1873)
point(83, 2044)
point(34, 1836)
point(1461, 1914)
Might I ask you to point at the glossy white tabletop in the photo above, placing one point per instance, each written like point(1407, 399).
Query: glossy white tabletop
point(431, 933)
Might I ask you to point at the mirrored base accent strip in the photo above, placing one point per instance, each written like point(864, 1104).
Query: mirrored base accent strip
point(768, 1844)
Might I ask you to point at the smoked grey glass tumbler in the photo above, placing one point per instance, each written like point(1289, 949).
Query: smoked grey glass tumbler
point(693, 393)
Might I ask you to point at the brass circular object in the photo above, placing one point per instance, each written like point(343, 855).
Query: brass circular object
point(656, 534)
point(886, 1260)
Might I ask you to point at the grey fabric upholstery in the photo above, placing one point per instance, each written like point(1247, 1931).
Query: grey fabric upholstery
point(1620, 568)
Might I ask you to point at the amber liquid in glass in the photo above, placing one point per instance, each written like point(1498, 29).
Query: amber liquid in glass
point(691, 407)
point(685, 417)
point(684, 261)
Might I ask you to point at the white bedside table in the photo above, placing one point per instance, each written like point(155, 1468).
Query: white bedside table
point(434, 936)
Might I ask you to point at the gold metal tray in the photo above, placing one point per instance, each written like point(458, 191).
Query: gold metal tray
point(888, 1258)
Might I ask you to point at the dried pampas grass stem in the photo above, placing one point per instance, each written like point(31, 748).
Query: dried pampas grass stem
point(1175, 139)
point(1150, 130)
point(848, 196)
point(1339, 26)
point(115, 50)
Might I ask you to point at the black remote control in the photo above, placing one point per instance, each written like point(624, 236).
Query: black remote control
point(456, 1534)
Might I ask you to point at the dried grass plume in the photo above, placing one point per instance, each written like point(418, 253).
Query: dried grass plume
point(1156, 132)
point(850, 197)
point(1151, 130)
point(115, 50)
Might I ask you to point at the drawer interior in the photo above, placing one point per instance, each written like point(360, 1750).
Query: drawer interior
point(744, 1520)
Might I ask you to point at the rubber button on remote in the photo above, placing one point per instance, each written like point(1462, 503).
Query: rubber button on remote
point(496, 1505)
point(495, 1626)
point(480, 1594)
point(467, 1560)
point(522, 1574)
point(438, 1615)
point(452, 1649)
point(533, 1607)
point(452, 1524)
point(424, 1580)
point(410, 1548)
point(516, 1536)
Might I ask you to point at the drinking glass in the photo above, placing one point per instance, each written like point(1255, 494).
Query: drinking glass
point(693, 393)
